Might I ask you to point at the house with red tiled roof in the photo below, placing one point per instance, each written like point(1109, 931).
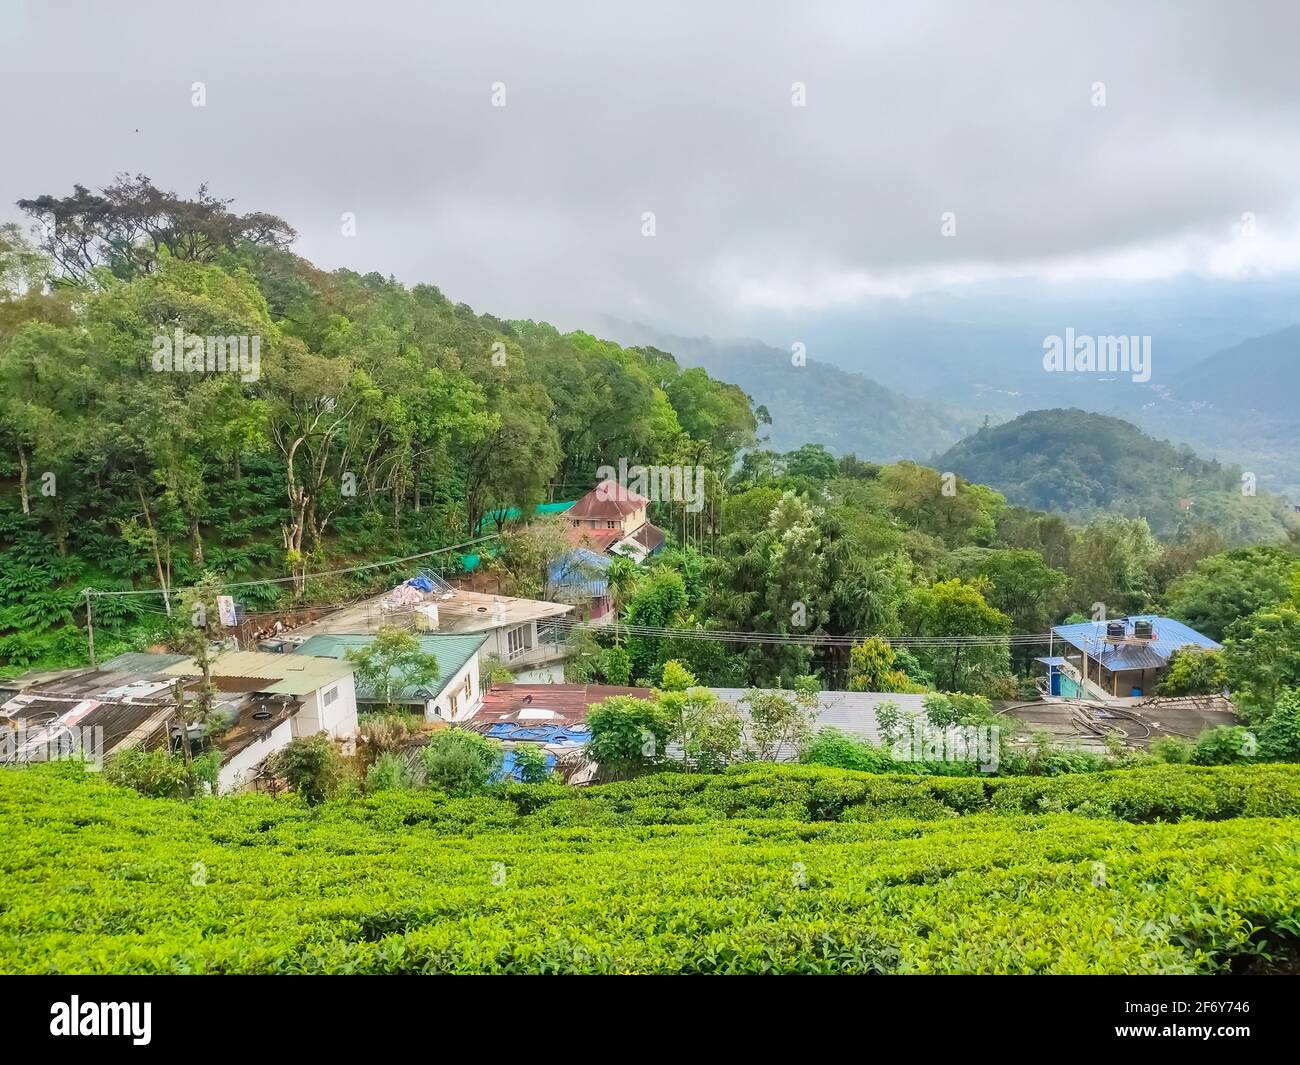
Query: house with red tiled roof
point(612, 519)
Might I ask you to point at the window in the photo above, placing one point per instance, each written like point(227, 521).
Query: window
point(453, 704)
point(518, 640)
point(330, 696)
point(611, 525)
point(577, 524)
point(467, 688)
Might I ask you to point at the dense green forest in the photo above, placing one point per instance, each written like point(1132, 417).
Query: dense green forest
point(1076, 463)
point(383, 421)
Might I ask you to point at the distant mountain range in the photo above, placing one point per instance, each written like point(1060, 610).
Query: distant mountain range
point(927, 379)
point(814, 403)
point(1241, 404)
point(1258, 376)
point(1079, 464)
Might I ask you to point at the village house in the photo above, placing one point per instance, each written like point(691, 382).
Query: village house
point(261, 703)
point(611, 519)
point(551, 717)
point(580, 578)
point(526, 636)
point(1123, 658)
point(324, 688)
point(454, 695)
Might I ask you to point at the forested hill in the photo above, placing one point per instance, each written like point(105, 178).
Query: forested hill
point(1078, 464)
point(816, 402)
point(368, 419)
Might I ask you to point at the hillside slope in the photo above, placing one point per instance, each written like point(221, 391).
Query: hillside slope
point(1257, 376)
point(817, 403)
point(1079, 464)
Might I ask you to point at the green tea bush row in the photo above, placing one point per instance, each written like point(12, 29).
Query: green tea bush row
point(99, 879)
point(96, 878)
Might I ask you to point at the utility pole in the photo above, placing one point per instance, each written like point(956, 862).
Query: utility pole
point(90, 632)
point(179, 693)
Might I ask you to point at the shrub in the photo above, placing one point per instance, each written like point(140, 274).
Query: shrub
point(1173, 749)
point(311, 766)
point(676, 677)
point(779, 720)
point(1224, 745)
point(163, 775)
point(889, 720)
point(945, 709)
point(1047, 759)
point(460, 762)
point(388, 730)
point(530, 765)
point(1279, 735)
point(1193, 671)
point(616, 665)
point(388, 773)
point(711, 731)
point(834, 748)
point(628, 735)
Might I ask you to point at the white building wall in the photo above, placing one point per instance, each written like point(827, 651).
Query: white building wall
point(551, 674)
point(339, 719)
point(440, 708)
point(237, 774)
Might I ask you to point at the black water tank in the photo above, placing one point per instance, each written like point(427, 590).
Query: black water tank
point(1115, 630)
point(1142, 630)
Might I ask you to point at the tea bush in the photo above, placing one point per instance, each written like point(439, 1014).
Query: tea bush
point(761, 869)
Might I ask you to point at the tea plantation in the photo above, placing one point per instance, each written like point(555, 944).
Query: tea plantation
point(1173, 869)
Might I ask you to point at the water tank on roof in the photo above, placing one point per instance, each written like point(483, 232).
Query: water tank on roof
point(1115, 630)
point(1143, 631)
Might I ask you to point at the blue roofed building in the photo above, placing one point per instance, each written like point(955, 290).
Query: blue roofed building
point(580, 578)
point(1119, 658)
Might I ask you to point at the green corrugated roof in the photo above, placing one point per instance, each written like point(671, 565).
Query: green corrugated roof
point(451, 651)
point(286, 675)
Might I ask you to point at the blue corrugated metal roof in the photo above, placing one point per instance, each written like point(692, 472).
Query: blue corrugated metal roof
point(1169, 636)
point(1126, 656)
point(580, 572)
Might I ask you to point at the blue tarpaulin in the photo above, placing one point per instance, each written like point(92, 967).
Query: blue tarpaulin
point(509, 730)
point(509, 769)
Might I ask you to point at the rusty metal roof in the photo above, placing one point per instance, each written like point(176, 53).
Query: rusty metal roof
point(545, 704)
point(609, 499)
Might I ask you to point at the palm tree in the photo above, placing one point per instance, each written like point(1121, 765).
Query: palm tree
point(621, 580)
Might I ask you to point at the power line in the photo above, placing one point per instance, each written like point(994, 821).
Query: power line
point(311, 576)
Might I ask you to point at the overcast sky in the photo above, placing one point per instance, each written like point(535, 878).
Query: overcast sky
point(614, 109)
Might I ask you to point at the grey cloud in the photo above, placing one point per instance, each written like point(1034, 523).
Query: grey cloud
point(681, 109)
